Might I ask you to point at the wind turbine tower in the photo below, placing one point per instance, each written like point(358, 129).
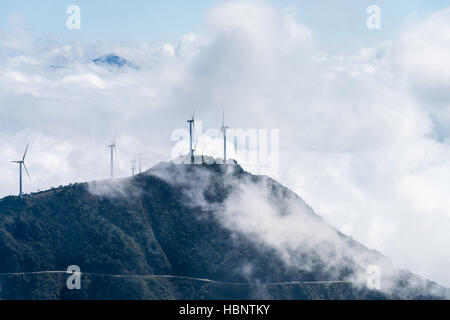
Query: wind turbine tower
point(224, 130)
point(22, 163)
point(191, 150)
point(112, 146)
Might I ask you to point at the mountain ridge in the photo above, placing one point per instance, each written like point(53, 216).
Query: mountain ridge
point(145, 226)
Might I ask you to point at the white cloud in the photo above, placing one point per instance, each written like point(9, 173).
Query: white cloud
point(423, 50)
point(421, 55)
point(87, 79)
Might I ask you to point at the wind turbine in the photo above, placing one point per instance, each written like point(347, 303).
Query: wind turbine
point(191, 125)
point(112, 146)
point(133, 167)
point(224, 130)
point(22, 163)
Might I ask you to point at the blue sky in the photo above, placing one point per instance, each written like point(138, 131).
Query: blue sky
point(109, 19)
point(340, 25)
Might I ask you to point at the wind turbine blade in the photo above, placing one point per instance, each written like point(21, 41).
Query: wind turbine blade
point(221, 130)
point(196, 142)
point(193, 133)
point(116, 155)
point(25, 153)
point(25, 167)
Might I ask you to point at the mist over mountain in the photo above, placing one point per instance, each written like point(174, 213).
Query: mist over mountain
point(186, 232)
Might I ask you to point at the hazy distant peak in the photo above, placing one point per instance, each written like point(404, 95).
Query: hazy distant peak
point(113, 60)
